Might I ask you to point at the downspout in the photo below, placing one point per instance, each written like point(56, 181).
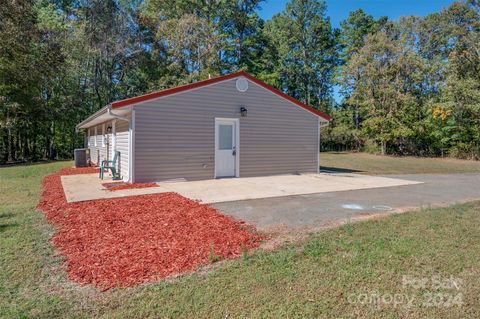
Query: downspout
point(119, 117)
point(320, 125)
point(325, 124)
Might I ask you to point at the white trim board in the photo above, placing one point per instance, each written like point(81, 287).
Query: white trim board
point(131, 150)
point(318, 147)
point(113, 147)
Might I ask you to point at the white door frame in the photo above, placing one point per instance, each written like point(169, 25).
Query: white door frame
point(236, 122)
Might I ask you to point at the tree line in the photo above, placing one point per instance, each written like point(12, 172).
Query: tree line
point(409, 87)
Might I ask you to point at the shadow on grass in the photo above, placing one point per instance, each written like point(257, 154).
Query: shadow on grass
point(40, 162)
point(328, 169)
point(337, 152)
point(4, 227)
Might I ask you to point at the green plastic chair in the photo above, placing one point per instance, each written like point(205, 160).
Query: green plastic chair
point(110, 165)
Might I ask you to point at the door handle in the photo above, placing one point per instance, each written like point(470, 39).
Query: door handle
point(234, 151)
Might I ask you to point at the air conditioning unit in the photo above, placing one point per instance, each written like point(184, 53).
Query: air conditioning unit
point(82, 157)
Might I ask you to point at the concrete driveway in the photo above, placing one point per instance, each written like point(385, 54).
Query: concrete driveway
point(322, 209)
point(89, 187)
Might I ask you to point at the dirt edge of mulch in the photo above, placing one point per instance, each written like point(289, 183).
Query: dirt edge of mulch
point(128, 241)
point(116, 186)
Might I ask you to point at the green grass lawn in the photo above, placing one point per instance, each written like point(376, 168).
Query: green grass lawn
point(332, 274)
point(376, 164)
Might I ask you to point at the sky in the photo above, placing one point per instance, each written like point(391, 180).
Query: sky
point(338, 9)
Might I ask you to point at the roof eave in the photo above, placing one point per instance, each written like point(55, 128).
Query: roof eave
point(82, 124)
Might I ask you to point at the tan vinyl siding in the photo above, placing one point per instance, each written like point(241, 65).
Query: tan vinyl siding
point(95, 152)
point(100, 147)
point(98, 152)
point(109, 143)
point(122, 135)
point(174, 135)
point(91, 139)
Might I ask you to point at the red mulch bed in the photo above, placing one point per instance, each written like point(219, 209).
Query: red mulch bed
point(116, 186)
point(126, 241)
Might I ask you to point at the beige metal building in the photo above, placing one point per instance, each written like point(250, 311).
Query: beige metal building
point(230, 126)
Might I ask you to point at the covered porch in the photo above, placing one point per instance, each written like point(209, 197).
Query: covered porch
point(109, 136)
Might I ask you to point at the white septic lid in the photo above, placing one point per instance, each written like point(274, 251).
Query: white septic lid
point(242, 84)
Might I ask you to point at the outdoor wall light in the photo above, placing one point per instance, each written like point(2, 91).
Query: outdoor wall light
point(243, 111)
point(109, 129)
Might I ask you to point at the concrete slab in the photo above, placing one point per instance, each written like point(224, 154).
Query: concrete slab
point(88, 187)
point(313, 211)
point(78, 188)
point(226, 190)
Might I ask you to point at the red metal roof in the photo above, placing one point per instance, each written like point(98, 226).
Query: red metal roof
point(186, 87)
